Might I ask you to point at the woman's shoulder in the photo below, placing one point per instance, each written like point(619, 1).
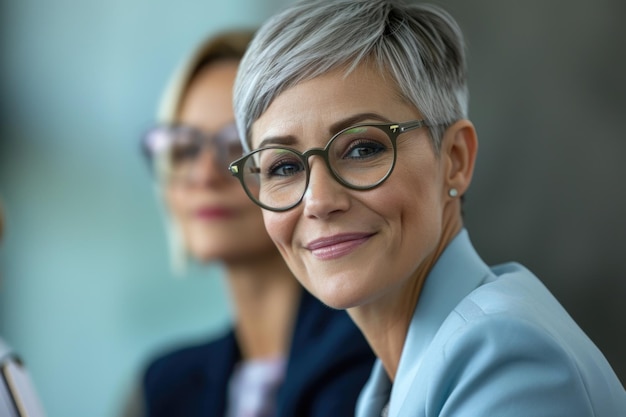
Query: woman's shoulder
point(190, 378)
point(515, 302)
point(187, 361)
point(513, 290)
point(511, 337)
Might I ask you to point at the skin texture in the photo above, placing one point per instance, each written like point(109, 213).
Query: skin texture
point(378, 245)
point(219, 223)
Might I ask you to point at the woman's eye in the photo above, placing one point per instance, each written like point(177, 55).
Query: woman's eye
point(183, 153)
point(278, 163)
point(364, 149)
point(284, 168)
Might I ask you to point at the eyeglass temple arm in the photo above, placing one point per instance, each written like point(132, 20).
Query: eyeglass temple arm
point(234, 170)
point(405, 127)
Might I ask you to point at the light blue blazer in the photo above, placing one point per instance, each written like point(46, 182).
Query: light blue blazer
point(492, 342)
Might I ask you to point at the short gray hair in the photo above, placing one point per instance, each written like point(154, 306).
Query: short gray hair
point(419, 45)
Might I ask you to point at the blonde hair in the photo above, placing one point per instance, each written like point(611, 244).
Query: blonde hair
point(223, 46)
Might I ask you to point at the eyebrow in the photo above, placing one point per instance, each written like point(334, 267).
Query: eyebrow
point(277, 140)
point(339, 125)
point(354, 120)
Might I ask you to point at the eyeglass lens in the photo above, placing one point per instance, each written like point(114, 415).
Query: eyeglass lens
point(175, 150)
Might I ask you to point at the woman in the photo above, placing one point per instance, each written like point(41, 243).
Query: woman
point(287, 354)
point(356, 111)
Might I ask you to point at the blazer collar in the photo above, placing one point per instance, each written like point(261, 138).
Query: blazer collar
point(458, 272)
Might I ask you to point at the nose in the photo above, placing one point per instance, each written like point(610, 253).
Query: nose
point(207, 169)
point(324, 195)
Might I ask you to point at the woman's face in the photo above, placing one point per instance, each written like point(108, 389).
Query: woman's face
point(216, 218)
point(352, 247)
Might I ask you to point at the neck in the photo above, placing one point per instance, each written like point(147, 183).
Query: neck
point(266, 297)
point(385, 322)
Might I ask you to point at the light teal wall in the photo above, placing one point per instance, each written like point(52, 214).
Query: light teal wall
point(86, 294)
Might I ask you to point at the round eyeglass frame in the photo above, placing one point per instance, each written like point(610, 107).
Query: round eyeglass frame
point(393, 130)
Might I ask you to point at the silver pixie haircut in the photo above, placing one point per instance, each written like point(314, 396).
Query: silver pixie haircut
point(419, 46)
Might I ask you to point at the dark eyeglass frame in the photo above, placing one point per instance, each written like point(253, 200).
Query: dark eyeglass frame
point(393, 130)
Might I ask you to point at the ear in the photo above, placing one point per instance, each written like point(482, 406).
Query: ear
point(458, 152)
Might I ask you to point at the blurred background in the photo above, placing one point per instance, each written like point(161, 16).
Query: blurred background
point(86, 293)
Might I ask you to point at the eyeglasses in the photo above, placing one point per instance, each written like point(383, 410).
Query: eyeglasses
point(173, 150)
point(360, 158)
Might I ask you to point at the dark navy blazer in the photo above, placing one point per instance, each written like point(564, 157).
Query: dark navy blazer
point(329, 362)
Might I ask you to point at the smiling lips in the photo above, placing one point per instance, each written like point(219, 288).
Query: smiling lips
point(336, 246)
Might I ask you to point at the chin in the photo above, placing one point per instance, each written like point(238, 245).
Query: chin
point(340, 304)
point(207, 255)
point(338, 295)
point(203, 258)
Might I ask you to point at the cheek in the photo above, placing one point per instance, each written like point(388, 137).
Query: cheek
point(278, 227)
point(281, 229)
point(252, 229)
point(412, 198)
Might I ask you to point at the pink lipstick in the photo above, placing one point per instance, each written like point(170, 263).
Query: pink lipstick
point(213, 213)
point(334, 247)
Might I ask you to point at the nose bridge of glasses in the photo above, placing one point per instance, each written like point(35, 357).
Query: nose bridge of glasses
point(330, 172)
point(321, 152)
point(325, 190)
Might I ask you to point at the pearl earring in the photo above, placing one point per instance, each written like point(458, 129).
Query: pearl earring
point(453, 192)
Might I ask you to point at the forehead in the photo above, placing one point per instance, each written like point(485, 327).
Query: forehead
point(314, 105)
point(207, 101)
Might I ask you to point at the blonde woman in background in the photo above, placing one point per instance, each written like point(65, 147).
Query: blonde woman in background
point(287, 354)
